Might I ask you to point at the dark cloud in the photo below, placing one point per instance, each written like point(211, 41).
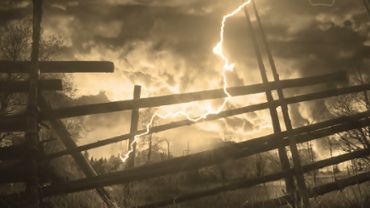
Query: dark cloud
point(166, 43)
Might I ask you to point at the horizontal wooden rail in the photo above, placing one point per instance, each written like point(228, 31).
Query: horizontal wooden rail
point(339, 184)
point(189, 97)
point(22, 86)
point(247, 183)
point(222, 114)
point(14, 171)
point(199, 160)
point(19, 151)
point(57, 66)
point(17, 123)
point(13, 124)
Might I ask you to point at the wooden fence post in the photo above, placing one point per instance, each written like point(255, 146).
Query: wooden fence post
point(133, 128)
point(131, 145)
point(273, 112)
point(32, 133)
point(297, 166)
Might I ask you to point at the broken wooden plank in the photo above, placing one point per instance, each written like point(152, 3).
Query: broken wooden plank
point(58, 66)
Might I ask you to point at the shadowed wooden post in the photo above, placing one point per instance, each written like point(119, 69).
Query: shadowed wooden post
point(130, 163)
point(273, 112)
point(32, 134)
point(133, 128)
point(302, 189)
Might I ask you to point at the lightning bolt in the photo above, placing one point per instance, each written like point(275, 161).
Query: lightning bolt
point(227, 67)
point(318, 4)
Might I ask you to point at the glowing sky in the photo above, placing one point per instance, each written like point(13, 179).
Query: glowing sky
point(166, 46)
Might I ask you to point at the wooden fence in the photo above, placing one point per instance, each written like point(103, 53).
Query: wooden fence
point(15, 169)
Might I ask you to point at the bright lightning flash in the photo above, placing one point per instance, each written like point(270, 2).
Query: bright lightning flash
point(218, 50)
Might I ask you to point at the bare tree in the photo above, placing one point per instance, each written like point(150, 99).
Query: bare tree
point(15, 45)
point(350, 104)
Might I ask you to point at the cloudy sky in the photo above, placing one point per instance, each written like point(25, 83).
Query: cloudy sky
point(166, 46)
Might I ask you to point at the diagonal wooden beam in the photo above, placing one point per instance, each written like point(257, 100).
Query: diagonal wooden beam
point(67, 140)
point(58, 66)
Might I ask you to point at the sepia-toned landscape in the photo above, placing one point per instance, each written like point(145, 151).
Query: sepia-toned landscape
point(184, 103)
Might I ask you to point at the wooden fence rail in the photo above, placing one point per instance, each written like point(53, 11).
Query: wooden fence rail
point(28, 168)
point(58, 66)
point(22, 86)
point(250, 182)
point(203, 159)
point(339, 184)
point(191, 97)
point(223, 114)
point(16, 123)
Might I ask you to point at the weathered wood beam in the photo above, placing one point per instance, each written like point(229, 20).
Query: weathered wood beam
point(32, 132)
point(188, 97)
point(282, 153)
point(176, 124)
point(229, 187)
point(16, 123)
point(250, 182)
point(58, 66)
point(298, 174)
point(14, 171)
point(339, 184)
point(81, 161)
point(22, 86)
point(199, 160)
point(11, 124)
point(13, 152)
